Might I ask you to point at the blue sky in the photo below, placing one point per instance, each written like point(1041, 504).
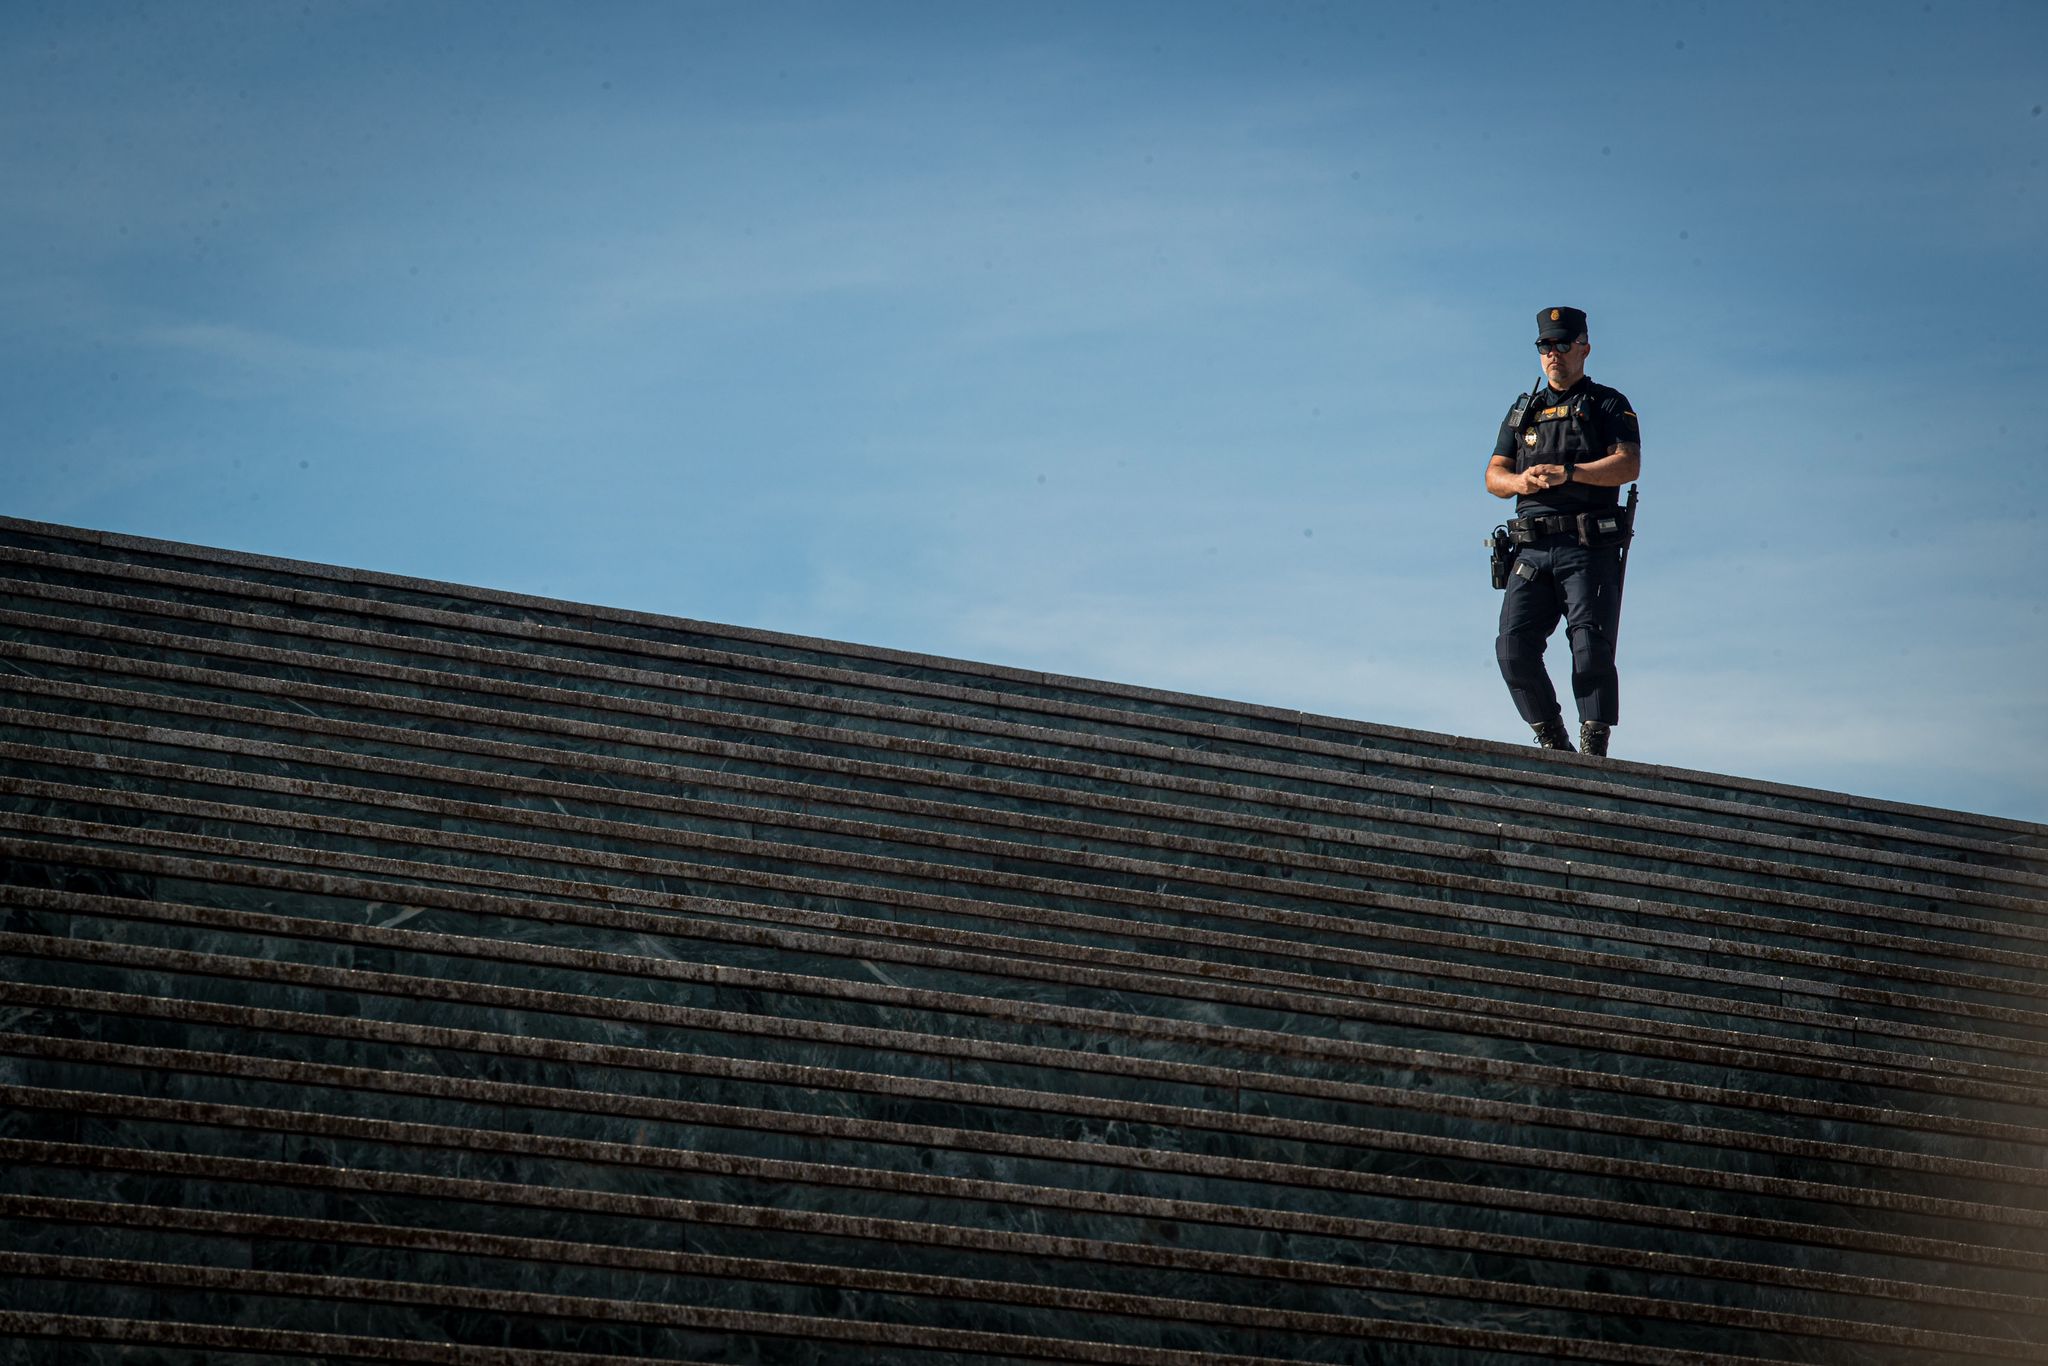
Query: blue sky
point(1155, 342)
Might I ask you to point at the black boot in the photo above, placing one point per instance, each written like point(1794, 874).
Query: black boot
point(1551, 735)
point(1593, 738)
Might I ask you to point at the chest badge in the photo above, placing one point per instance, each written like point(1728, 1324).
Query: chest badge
point(1530, 439)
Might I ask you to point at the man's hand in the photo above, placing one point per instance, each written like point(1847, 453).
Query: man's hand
point(1502, 480)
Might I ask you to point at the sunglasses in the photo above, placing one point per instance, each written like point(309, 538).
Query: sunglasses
point(1546, 347)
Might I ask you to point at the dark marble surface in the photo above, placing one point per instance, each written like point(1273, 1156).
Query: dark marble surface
point(838, 1116)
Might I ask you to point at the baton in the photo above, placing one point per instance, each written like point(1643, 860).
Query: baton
point(1621, 575)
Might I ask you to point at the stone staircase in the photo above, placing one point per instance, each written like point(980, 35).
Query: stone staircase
point(397, 971)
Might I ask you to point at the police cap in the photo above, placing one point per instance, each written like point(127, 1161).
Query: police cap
point(1560, 324)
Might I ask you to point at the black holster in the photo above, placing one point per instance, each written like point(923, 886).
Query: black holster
point(1503, 555)
point(1609, 526)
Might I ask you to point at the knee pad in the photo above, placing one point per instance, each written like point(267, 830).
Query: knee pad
point(1515, 649)
point(1592, 651)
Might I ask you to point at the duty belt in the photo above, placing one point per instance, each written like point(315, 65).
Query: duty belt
point(1601, 527)
point(1526, 530)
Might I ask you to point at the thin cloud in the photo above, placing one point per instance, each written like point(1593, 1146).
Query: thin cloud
point(229, 361)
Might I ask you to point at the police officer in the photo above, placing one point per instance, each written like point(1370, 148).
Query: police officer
point(1563, 454)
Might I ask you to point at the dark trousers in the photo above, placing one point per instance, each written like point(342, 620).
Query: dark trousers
point(1582, 586)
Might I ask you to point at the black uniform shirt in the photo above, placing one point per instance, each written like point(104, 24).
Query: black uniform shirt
point(1550, 435)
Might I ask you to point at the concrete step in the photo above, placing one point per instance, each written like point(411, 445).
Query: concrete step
point(46, 644)
point(135, 1036)
point(62, 647)
point(1480, 920)
point(395, 971)
point(352, 599)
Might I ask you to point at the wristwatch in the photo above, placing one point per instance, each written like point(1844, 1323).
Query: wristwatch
point(1568, 472)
